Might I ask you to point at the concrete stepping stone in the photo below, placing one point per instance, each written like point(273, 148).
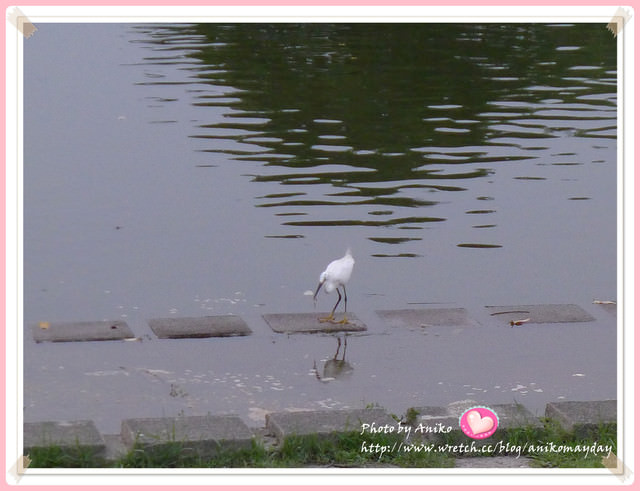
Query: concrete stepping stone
point(540, 314)
point(205, 436)
point(81, 331)
point(199, 327)
point(582, 416)
point(70, 436)
point(299, 323)
point(414, 318)
point(325, 423)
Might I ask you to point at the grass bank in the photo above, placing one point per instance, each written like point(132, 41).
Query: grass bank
point(546, 446)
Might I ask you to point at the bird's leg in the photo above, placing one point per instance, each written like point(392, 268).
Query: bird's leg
point(315, 370)
point(344, 320)
point(344, 351)
point(330, 317)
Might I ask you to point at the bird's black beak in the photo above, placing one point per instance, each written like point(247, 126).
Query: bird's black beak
point(315, 295)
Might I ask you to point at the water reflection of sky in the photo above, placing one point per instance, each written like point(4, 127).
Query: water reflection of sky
point(393, 117)
point(436, 132)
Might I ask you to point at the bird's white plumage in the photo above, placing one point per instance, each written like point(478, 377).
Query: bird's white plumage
point(335, 276)
point(337, 273)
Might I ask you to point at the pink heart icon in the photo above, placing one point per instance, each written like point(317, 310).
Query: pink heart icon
point(479, 424)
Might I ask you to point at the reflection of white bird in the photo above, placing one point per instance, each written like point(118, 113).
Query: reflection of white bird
point(335, 368)
point(336, 275)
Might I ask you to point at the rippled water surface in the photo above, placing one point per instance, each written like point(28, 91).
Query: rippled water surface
point(202, 169)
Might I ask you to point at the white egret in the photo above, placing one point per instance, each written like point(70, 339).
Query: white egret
point(335, 276)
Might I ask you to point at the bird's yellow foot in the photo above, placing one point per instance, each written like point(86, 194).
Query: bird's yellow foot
point(343, 321)
point(329, 318)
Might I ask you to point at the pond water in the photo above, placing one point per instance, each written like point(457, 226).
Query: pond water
point(202, 169)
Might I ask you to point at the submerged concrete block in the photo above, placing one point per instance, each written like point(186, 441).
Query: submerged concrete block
point(427, 317)
point(203, 435)
point(292, 323)
point(81, 331)
point(70, 436)
point(199, 327)
point(582, 416)
point(325, 423)
point(540, 314)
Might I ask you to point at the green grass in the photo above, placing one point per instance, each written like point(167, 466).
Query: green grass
point(604, 434)
point(348, 449)
point(55, 456)
point(175, 455)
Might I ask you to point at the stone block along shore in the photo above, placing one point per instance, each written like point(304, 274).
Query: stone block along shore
point(208, 434)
